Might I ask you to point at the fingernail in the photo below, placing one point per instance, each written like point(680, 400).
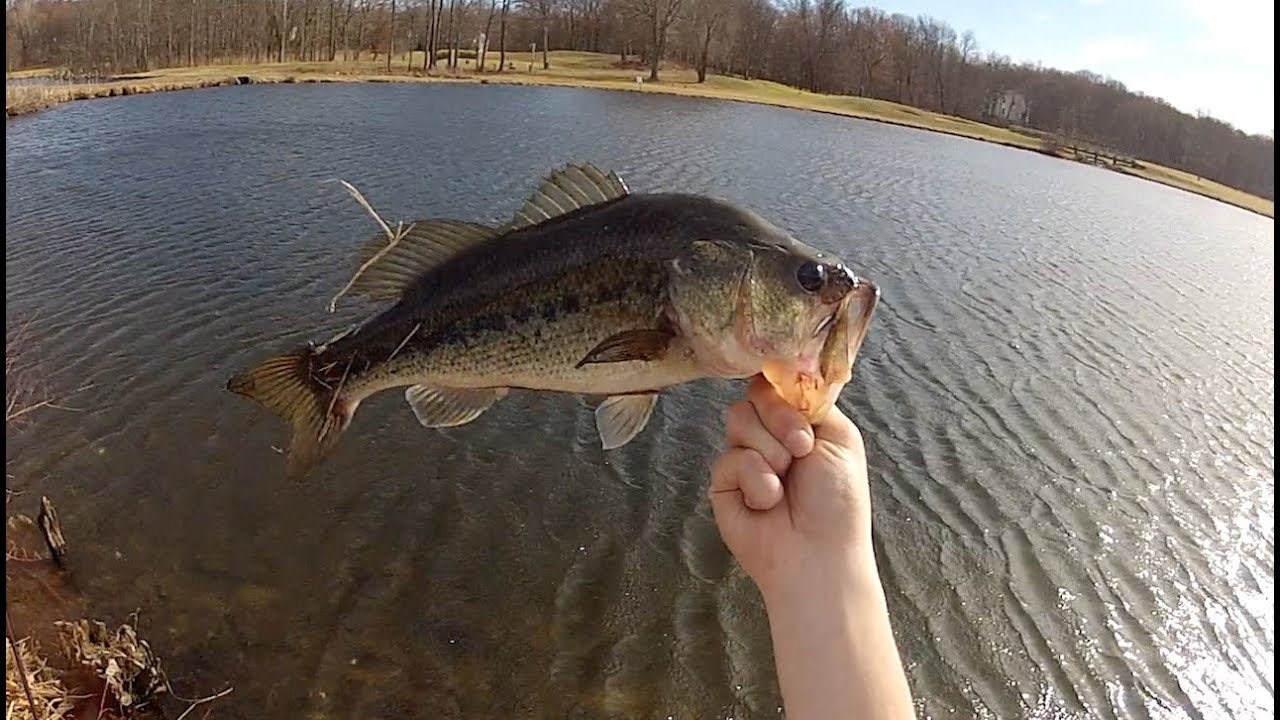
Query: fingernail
point(799, 442)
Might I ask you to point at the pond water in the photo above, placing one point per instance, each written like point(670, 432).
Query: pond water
point(1067, 395)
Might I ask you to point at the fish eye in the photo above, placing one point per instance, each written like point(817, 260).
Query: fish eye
point(811, 276)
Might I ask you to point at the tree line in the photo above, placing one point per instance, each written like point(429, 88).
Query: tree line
point(819, 45)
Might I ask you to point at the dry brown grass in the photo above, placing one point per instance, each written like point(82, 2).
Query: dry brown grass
point(26, 99)
point(593, 70)
point(33, 690)
point(52, 700)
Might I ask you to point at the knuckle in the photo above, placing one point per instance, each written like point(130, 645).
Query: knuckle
point(719, 467)
point(761, 392)
point(855, 436)
point(779, 460)
point(781, 418)
point(758, 463)
point(739, 415)
point(850, 433)
point(725, 469)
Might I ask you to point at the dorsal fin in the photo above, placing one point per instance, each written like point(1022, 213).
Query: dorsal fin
point(566, 190)
point(388, 267)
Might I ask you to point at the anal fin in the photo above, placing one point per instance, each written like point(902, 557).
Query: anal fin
point(621, 417)
point(437, 407)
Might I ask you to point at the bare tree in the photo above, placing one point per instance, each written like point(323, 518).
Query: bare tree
point(502, 36)
point(433, 34)
point(391, 35)
point(584, 24)
point(708, 16)
point(283, 28)
point(452, 60)
point(543, 10)
point(658, 15)
point(815, 44)
point(488, 27)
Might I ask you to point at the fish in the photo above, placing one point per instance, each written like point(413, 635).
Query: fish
point(590, 289)
point(815, 393)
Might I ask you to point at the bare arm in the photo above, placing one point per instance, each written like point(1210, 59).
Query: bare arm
point(793, 505)
point(834, 648)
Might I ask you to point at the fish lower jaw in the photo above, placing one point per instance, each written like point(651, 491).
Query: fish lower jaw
point(809, 393)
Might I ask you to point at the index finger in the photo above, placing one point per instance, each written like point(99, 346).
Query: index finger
point(784, 422)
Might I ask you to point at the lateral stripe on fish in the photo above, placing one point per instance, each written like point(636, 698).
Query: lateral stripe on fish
point(590, 289)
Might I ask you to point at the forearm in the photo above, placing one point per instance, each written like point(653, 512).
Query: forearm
point(833, 644)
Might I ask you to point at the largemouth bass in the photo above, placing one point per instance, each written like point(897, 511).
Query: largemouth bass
point(591, 289)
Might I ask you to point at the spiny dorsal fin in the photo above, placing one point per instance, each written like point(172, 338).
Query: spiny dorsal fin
point(388, 267)
point(566, 190)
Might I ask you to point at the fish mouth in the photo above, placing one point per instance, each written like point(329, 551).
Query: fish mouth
point(866, 295)
point(825, 322)
point(845, 290)
point(814, 390)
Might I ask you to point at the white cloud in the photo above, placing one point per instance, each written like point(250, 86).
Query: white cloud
point(1040, 19)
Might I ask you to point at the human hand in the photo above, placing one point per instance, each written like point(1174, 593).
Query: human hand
point(791, 500)
point(792, 503)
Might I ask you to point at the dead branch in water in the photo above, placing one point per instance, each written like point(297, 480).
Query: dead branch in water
point(200, 701)
point(393, 238)
point(52, 530)
point(24, 393)
point(20, 386)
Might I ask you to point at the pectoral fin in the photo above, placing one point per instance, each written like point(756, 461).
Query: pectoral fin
point(621, 417)
point(437, 407)
point(630, 345)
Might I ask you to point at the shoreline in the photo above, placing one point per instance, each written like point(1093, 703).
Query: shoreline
point(29, 99)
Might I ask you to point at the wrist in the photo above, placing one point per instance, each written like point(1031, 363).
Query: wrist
point(814, 581)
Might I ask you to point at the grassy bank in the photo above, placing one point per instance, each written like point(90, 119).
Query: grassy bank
point(575, 69)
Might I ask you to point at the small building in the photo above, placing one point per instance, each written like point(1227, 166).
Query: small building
point(1008, 106)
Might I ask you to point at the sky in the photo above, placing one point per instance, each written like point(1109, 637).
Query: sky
point(1209, 55)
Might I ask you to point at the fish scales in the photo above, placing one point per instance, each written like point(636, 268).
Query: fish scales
point(590, 289)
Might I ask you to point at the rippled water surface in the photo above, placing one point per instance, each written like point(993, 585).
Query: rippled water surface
point(1067, 394)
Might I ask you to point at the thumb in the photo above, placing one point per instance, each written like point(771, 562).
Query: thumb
point(837, 429)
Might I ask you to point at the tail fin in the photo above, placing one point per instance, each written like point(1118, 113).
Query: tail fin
point(285, 386)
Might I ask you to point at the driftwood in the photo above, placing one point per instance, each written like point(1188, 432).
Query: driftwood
point(52, 530)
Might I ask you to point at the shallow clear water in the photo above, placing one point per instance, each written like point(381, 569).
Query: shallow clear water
point(1067, 395)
